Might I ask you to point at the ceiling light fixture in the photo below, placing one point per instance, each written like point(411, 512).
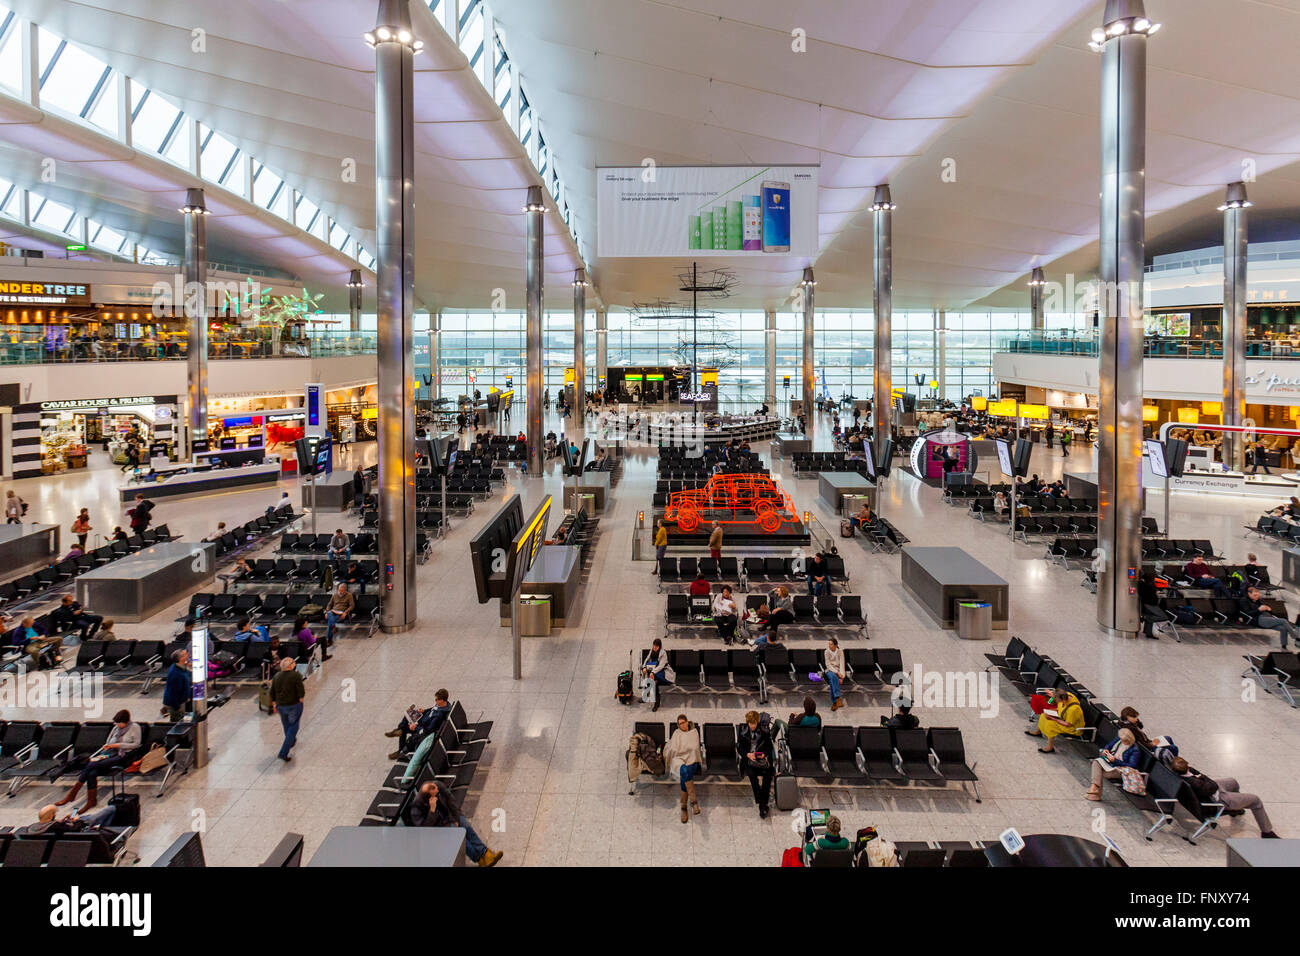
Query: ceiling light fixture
point(194, 202)
point(883, 201)
point(534, 202)
point(808, 278)
point(1124, 17)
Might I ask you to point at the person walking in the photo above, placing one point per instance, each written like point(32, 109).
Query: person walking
point(14, 507)
point(287, 693)
point(177, 691)
point(1066, 436)
point(81, 527)
point(661, 545)
point(1049, 433)
point(715, 541)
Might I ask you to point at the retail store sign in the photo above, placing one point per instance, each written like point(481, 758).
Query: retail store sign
point(86, 404)
point(1272, 382)
point(44, 293)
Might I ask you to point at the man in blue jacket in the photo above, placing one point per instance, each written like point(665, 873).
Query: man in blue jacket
point(411, 733)
point(177, 692)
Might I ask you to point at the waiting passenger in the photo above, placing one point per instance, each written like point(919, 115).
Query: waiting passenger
point(1227, 792)
point(700, 587)
point(725, 614)
point(117, 751)
point(340, 547)
point(177, 690)
point(864, 519)
point(782, 605)
point(1120, 754)
point(830, 840)
point(683, 757)
point(1260, 615)
point(1200, 575)
point(244, 631)
point(417, 724)
point(903, 720)
point(757, 757)
point(809, 717)
point(655, 670)
point(833, 663)
point(1068, 720)
point(819, 572)
point(339, 609)
point(434, 806)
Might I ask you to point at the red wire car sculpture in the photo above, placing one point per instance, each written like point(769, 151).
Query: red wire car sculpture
point(732, 499)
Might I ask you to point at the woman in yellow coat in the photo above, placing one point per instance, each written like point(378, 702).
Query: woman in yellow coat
point(1069, 719)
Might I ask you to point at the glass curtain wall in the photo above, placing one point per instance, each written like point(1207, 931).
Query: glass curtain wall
point(482, 349)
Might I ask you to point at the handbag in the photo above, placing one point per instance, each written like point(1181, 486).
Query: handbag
point(1132, 781)
point(155, 758)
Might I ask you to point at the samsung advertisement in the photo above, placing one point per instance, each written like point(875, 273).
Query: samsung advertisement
point(706, 210)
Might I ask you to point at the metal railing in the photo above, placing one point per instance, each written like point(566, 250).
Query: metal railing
point(1087, 343)
point(33, 345)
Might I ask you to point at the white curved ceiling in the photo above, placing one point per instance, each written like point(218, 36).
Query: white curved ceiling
point(886, 91)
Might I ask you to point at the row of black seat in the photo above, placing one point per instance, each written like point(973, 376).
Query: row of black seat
point(102, 846)
point(254, 533)
point(1184, 613)
point(782, 669)
point(359, 543)
point(32, 751)
point(40, 583)
point(273, 606)
point(820, 612)
point(1276, 670)
point(882, 534)
point(1078, 548)
point(1037, 504)
point(292, 571)
point(450, 762)
point(744, 571)
point(1035, 673)
point(1276, 529)
point(837, 756)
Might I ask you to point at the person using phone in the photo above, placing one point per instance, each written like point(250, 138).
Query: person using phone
point(1063, 715)
point(117, 751)
point(1121, 752)
point(416, 724)
point(755, 742)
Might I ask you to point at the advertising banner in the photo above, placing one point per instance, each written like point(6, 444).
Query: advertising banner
point(706, 211)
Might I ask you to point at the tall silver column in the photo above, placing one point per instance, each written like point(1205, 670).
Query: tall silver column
point(1038, 321)
point(807, 284)
point(196, 313)
point(395, 290)
point(535, 208)
point(354, 300)
point(941, 351)
point(883, 304)
point(579, 346)
point(1234, 208)
point(769, 359)
point(435, 355)
point(1122, 42)
point(602, 345)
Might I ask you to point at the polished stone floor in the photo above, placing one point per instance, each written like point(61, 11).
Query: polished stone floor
point(552, 788)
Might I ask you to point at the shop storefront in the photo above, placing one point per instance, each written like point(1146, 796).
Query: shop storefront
point(54, 436)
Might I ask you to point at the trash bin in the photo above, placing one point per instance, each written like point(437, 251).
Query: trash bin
point(587, 505)
point(534, 615)
point(974, 621)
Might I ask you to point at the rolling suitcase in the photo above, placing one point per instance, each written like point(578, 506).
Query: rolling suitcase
point(623, 692)
point(787, 792)
point(264, 690)
point(846, 527)
point(126, 806)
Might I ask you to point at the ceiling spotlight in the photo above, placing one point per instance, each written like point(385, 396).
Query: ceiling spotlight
point(1141, 24)
point(404, 36)
point(1116, 28)
point(417, 46)
point(808, 279)
point(384, 33)
point(1153, 28)
point(370, 38)
point(1098, 35)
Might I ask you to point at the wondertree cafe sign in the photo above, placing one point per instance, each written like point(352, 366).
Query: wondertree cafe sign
point(44, 293)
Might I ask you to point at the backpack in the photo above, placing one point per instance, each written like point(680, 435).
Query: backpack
point(792, 857)
point(880, 852)
point(1185, 614)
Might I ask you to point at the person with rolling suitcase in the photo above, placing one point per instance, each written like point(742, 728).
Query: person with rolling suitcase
point(755, 744)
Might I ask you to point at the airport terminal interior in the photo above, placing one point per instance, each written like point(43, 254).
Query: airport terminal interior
point(537, 433)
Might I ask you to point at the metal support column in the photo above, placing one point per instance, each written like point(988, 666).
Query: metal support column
point(354, 300)
point(579, 347)
point(769, 360)
point(1037, 283)
point(395, 50)
point(883, 304)
point(535, 209)
point(1234, 208)
point(196, 315)
point(941, 352)
point(602, 345)
point(1122, 42)
point(807, 286)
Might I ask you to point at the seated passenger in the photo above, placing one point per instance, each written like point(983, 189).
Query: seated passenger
point(682, 756)
point(43, 648)
point(809, 717)
point(1227, 792)
point(244, 631)
point(782, 609)
point(700, 587)
point(1068, 719)
point(655, 670)
point(417, 724)
point(864, 518)
point(830, 840)
point(434, 806)
point(903, 720)
point(1200, 575)
point(1260, 615)
point(725, 614)
point(1121, 752)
